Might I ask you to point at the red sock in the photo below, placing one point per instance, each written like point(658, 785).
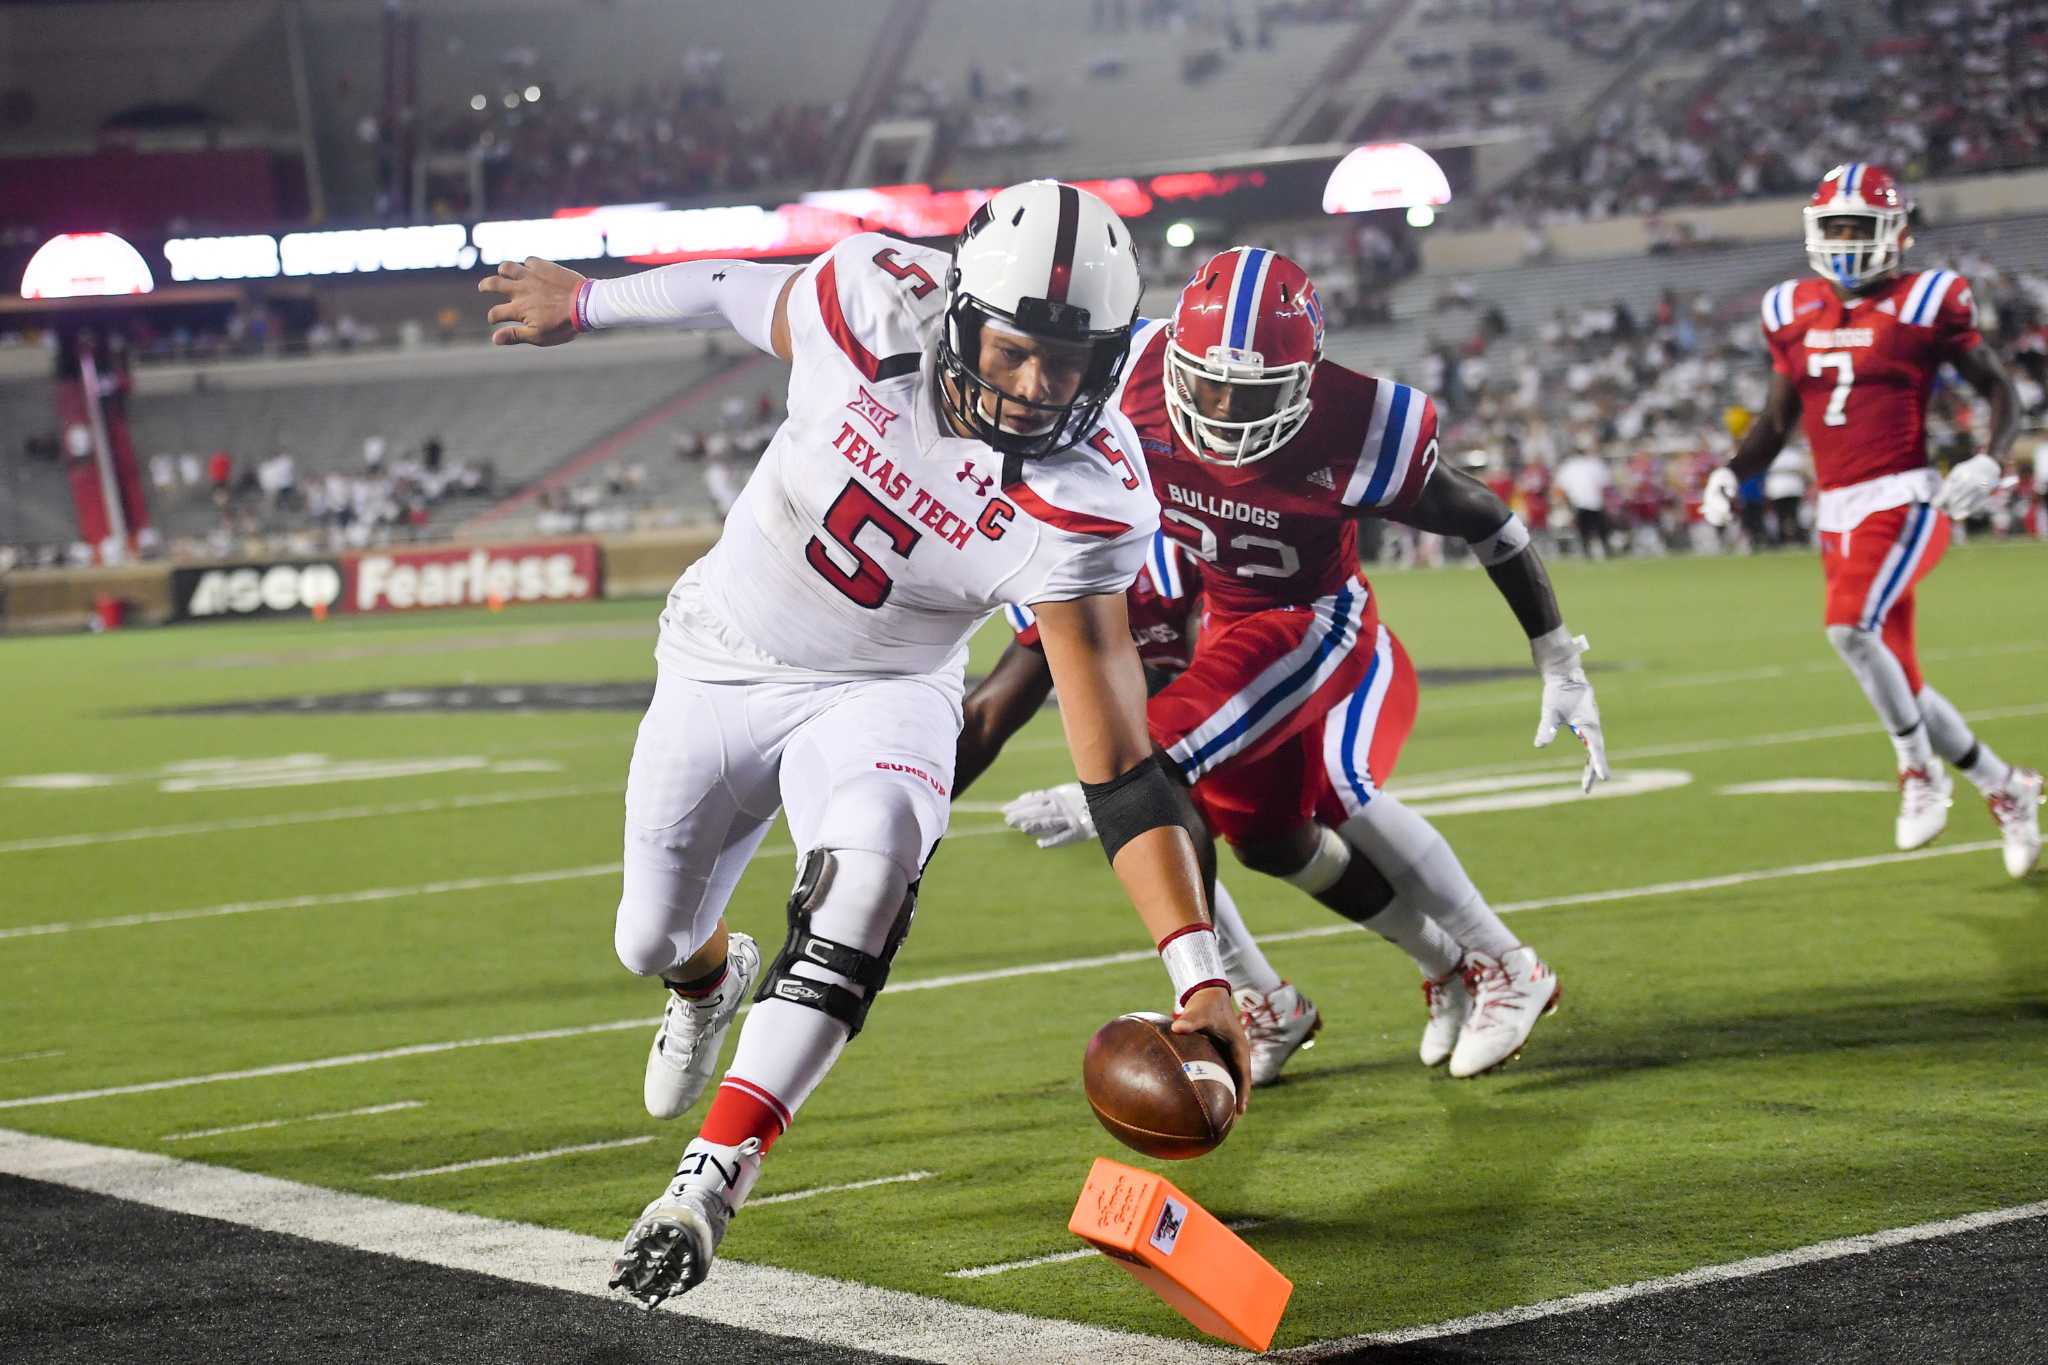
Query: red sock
point(741, 1110)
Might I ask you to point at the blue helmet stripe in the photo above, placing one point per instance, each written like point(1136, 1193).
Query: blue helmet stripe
point(1246, 302)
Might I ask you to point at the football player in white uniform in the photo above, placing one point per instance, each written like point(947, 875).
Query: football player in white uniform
point(947, 451)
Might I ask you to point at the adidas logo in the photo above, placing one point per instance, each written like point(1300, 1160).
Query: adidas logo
point(1322, 478)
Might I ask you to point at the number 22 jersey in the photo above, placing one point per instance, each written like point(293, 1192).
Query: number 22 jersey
point(870, 539)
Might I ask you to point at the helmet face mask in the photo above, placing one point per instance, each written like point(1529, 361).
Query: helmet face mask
point(1204, 392)
point(1243, 349)
point(1864, 194)
point(1044, 287)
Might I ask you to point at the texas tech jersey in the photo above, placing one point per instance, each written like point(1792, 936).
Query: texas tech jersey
point(1864, 367)
point(1283, 530)
point(870, 539)
point(1161, 604)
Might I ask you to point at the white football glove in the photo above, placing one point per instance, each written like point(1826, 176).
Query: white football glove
point(1568, 700)
point(1054, 816)
point(1968, 487)
point(1717, 503)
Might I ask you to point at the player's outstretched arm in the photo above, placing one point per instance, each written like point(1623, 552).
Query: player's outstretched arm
point(546, 304)
point(1970, 483)
point(1760, 445)
point(997, 708)
point(1453, 503)
point(1143, 816)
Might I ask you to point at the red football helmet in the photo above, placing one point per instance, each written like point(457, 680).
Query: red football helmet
point(1857, 190)
point(1245, 340)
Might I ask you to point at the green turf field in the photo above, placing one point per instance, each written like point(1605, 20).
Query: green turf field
point(1736, 1069)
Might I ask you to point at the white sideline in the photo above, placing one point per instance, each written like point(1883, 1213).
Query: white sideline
point(370, 895)
point(1712, 1274)
point(907, 1178)
point(394, 1107)
point(304, 817)
point(932, 983)
point(523, 1158)
point(754, 1297)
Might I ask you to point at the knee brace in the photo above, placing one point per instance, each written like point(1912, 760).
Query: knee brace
point(869, 971)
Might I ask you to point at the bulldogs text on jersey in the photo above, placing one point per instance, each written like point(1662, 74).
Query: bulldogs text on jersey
point(1284, 531)
point(1865, 367)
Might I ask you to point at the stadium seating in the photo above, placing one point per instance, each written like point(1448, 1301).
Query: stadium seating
point(1143, 112)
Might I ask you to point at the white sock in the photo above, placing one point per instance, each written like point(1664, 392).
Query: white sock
point(1426, 875)
point(1951, 738)
point(1914, 750)
point(1433, 951)
point(1243, 963)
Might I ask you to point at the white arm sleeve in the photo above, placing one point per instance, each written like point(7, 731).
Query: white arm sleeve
point(694, 294)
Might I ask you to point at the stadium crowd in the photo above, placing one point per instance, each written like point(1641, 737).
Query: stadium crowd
point(1950, 88)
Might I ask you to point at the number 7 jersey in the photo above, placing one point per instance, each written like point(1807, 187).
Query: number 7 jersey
point(870, 539)
point(1864, 368)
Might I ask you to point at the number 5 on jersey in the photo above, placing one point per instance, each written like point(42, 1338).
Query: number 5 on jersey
point(1843, 364)
point(868, 585)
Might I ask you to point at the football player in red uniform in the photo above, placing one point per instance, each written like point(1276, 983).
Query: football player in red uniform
point(1264, 457)
point(1854, 354)
point(1279, 1019)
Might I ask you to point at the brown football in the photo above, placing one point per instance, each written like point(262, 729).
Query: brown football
point(1166, 1094)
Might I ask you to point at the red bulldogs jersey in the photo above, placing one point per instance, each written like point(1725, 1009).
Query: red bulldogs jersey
point(1161, 604)
point(1865, 367)
point(1283, 531)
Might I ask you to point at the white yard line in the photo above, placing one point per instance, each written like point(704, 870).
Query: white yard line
point(907, 1178)
point(754, 1297)
point(976, 1272)
point(933, 983)
point(1690, 1279)
point(1680, 748)
point(32, 1056)
point(369, 895)
point(522, 1159)
point(307, 817)
point(392, 1108)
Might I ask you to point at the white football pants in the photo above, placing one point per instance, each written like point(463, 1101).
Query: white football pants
point(864, 765)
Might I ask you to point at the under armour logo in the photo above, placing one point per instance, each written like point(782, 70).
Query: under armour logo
point(693, 1163)
point(871, 409)
point(981, 483)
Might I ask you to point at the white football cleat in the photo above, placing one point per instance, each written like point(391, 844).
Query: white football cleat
point(1278, 1025)
point(1508, 997)
point(668, 1249)
point(2017, 809)
point(1924, 797)
point(1449, 1003)
point(685, 1050)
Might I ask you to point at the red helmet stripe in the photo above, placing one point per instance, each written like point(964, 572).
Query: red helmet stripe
point(1063, 244)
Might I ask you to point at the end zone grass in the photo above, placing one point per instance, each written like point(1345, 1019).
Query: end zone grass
point(1734, 1070)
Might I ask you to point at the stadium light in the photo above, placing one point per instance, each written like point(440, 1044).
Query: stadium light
point(533, 94)
point(80, 265)
point(1421, 216)
point(478, 103)
point(1385, 175)
point(1180, 235)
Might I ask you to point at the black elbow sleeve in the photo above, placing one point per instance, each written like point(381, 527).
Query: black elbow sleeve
point(1147, 796)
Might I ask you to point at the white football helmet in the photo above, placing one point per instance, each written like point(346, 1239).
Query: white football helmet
point(1046, 260)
